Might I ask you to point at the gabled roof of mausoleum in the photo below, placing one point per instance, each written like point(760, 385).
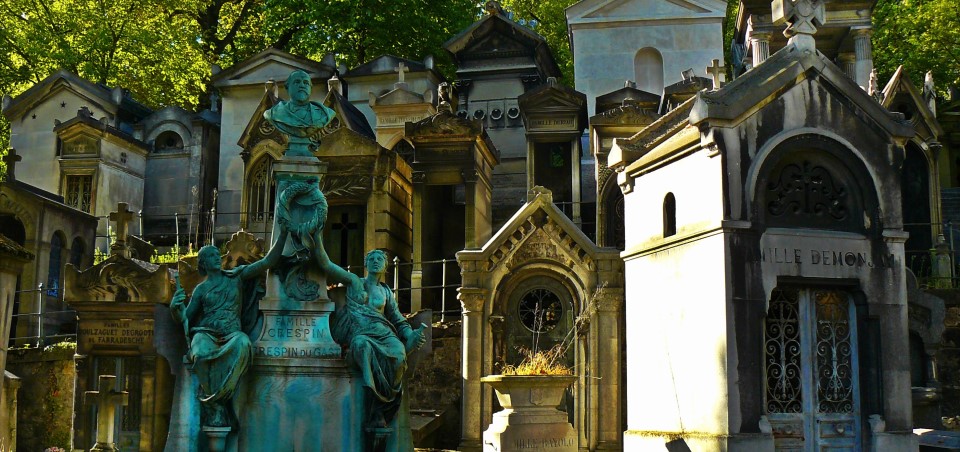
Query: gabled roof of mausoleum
point(539, 223)
point(349, 115)
point(476, 42)
point(273, 64)
point(604, 12)
point(630, 149)
point(899, 83)
point(387, 64)
point(627, 95)
point(735, 102)
point(113, 100)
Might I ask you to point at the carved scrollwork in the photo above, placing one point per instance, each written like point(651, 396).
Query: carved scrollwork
point(808, 190)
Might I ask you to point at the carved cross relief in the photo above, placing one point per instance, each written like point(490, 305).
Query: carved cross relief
point(400, 69)
point(106, 398)
point(11, 160)
point(802, 16)
point(715, 70)
point(122, 218)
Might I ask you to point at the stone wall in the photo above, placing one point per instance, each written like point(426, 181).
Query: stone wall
point(45, 411)
point(948, 359)
point(436, 383)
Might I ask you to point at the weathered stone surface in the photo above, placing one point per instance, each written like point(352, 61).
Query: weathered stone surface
point(48, 384)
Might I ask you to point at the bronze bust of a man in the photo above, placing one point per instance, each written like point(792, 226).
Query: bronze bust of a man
point(299, 118)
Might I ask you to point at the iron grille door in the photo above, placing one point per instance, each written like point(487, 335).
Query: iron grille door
point(810, 367)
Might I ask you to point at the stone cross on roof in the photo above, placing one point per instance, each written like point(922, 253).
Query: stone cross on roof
point(716, 71)
point(400, 70)
point(802, 18)
point(122, 217)
point(106, 399)
point(11, 160)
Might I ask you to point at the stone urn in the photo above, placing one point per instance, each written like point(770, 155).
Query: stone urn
point(530, 420)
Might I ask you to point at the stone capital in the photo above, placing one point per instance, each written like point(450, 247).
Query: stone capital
point(863, 31)
point(471, 299)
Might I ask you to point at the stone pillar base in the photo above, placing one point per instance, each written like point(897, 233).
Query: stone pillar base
point(216, 438)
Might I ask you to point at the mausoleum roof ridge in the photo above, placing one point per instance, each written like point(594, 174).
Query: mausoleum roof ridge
point(737, 100)
point(103, 92)
point(272, 53)
point(902, 78)
point(493, 23)
point(374, 67)
point(351, 118)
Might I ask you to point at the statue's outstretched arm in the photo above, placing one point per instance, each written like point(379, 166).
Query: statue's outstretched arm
point(269, 261)
point(334, 272)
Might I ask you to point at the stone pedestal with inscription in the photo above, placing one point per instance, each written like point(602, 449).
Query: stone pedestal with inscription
point(300, 394)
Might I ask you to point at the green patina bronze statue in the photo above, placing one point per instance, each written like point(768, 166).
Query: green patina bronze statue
point(377, 337)
point(217, 320)
point(299, 118)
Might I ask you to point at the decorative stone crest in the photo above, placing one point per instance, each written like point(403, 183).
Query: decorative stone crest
point(802, 18)
point(118, 279)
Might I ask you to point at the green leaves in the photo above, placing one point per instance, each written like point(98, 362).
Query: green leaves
point(922, 35)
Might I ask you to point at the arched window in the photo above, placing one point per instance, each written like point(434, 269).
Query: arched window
point(168, 141)
point(56, 263)
point(261, 191)
point(648, 70)
point(76, 252)
point(669, 215)
point(915, 199)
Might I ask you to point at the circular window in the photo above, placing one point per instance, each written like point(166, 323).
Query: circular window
point(540, 310)
point(496, 114)
point(513, 113)
point(479, 114)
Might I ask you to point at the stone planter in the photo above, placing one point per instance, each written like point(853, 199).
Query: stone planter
point(530, 420)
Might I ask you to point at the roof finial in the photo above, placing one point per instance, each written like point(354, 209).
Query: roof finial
point(802, 18)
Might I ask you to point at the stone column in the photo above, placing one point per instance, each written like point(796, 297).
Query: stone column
point(848, 62)
point(416, 274)
point(478, 214)
point(609, 302)
point(863, 50)
point(472, 301)
point(575, 180)
point(760, 46)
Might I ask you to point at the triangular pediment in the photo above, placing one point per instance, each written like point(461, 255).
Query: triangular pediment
point(643, 10)
point(785, 70)
point(902, 95)
point(61, 81)
point(553, 97)
point(271, 64)
point(347, 116)
point(540, 233)
point(258, 128)
point(400, 96)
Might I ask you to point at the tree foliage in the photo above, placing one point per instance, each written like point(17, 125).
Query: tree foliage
point(921, 35)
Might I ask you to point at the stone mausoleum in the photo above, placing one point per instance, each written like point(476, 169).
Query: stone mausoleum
point(730, 255)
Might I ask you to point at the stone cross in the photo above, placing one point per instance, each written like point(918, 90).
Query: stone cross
point(11, 160)
point(802, 18)
point(716, 71)
point(106, 399)
point(122, 217)
point(400, 70)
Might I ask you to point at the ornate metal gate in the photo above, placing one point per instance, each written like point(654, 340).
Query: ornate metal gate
point(810, 363)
